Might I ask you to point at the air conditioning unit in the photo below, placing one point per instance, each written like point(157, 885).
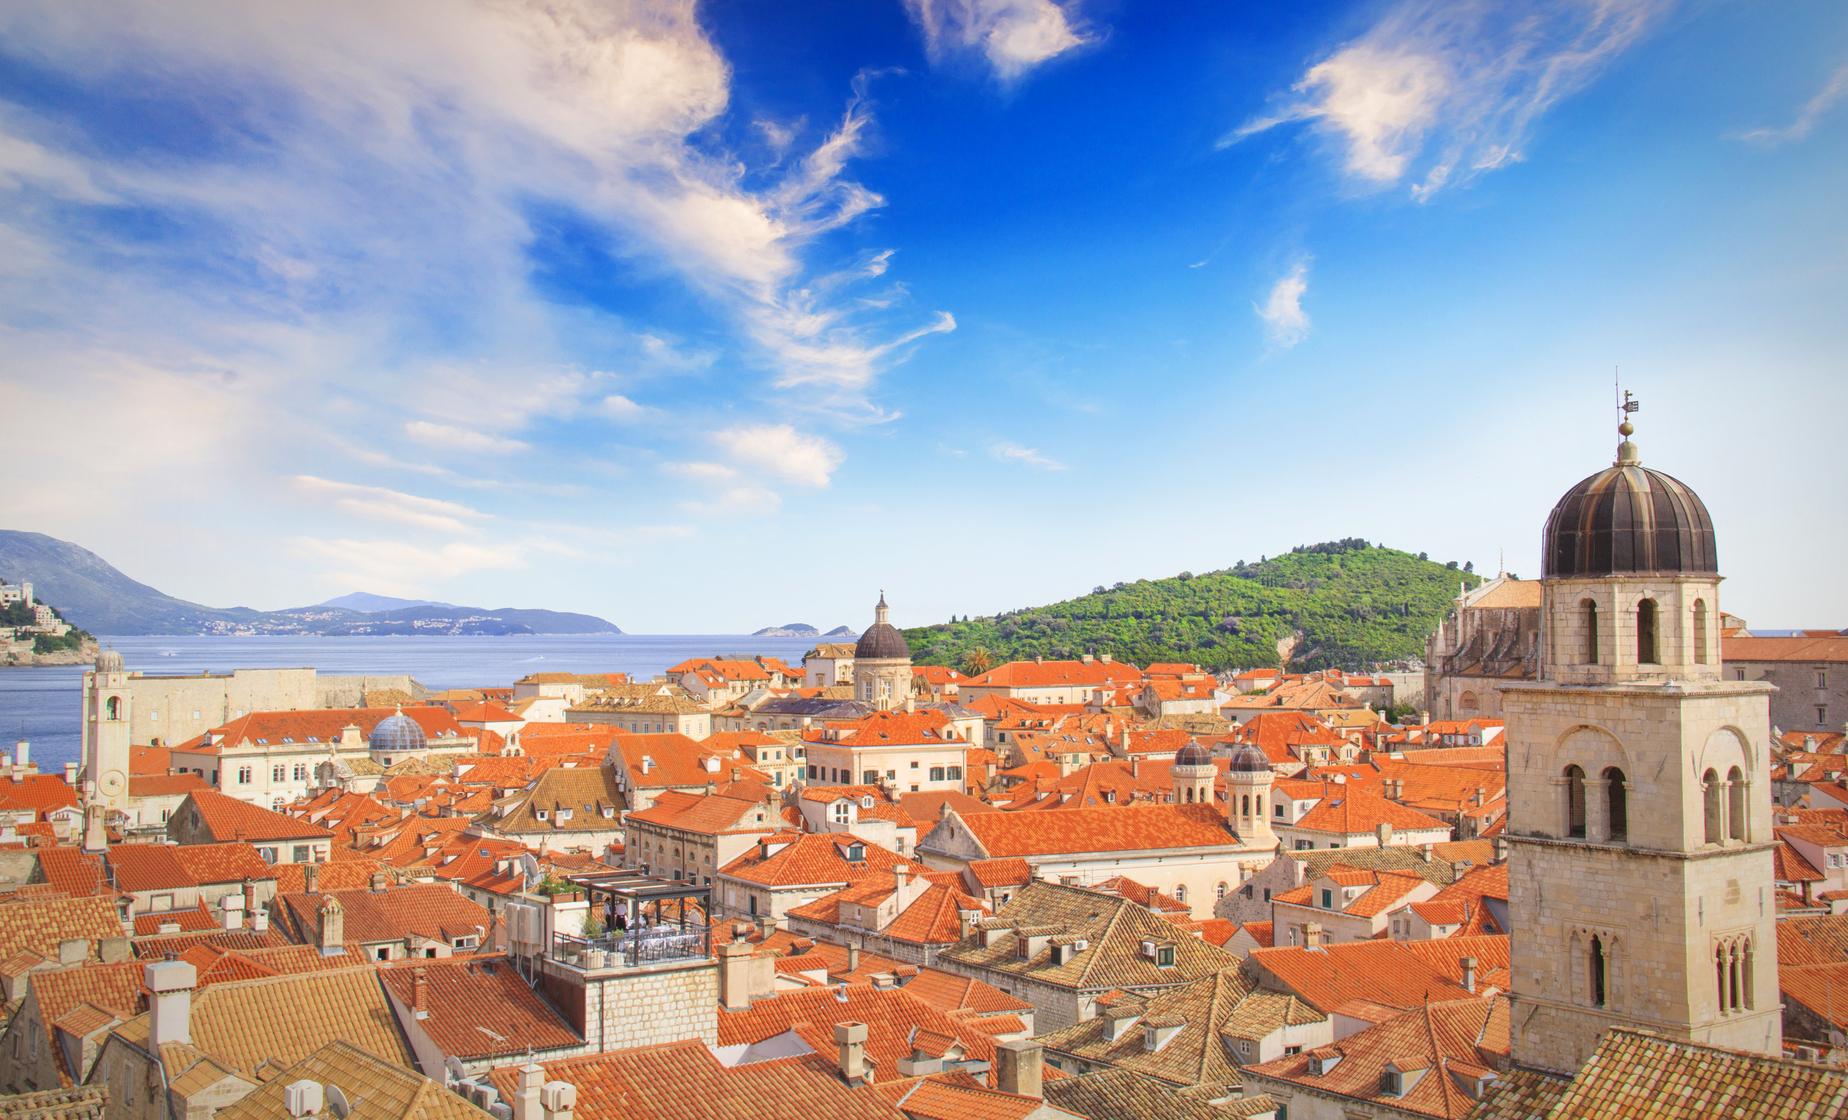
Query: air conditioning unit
point(303, 1098)
point(558, 1096)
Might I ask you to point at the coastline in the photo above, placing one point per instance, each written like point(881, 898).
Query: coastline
point(82, 655)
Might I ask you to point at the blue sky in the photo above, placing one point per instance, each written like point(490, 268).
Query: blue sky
point(709, 317)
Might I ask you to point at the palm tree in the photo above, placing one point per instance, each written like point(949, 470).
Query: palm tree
point(977, 661)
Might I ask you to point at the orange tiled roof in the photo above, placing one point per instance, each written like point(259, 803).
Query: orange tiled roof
point(73, 872)
point(1056, 674)
point(813, 859)
point(1118, 828)
point(164, 785)
point(227, 818)
point(480, 1007)
point(149, 867)
point(430, 910)
point(223, 863)
point(683, 1081)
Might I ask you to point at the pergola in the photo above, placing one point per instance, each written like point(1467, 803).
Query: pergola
point(645, 918)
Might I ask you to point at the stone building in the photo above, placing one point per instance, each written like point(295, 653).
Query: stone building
point(882, 663)
point(1491, 638)
point(1809, 668)
point(1639, 826)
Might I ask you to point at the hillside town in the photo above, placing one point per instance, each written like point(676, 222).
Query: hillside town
point(1603, 865)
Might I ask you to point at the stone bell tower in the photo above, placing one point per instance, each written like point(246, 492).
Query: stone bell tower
point(1639, 825)
point(106, 710)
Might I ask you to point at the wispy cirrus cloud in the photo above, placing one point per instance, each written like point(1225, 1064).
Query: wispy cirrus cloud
point(1286, 323)
point(782, 452)
point(1440, 92)
point(453, 438)
point(1014, 36)
point(1817, 107)
point(1026, 456)
point(394, 567)
point(383, 504)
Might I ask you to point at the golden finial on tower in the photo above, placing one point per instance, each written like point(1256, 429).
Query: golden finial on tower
point(1627, 454)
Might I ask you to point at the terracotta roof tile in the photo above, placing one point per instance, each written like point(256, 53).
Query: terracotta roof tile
point(227, 818)
point(379, 1089)
point(480, 1007)
point(1117, 828)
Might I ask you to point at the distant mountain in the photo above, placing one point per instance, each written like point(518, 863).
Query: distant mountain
point(92, 594)
point(842, 632)
point(787, 630)
point(365, 602)
point(1342, 604)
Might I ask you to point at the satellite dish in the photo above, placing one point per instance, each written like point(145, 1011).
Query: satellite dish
point(453, 1067)
point(529, 867)
point(337, 1102)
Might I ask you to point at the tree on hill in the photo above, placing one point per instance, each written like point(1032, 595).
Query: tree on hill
point(1353, 605)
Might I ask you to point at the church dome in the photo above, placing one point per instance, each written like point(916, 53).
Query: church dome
point(109, 661)
point(1248, 759)
point(882, 641)
point(1628, 520)
point(1193, 754)
point(397, 732)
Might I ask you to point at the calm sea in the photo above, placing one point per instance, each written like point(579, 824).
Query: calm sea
point(44, 705)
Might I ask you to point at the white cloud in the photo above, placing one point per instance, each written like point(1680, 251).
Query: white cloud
point(1014, 35)
point(618, 407)
point(1014, 453)
point(383, 504)
point(1812, 112)
point(392, 567)
point(24, 162)
point(449, 437)
point(1285, 321)
point(736, 501)
point(1445, 90)
point(781, 451)
point(700, 471)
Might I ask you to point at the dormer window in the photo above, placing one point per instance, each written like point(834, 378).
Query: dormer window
point(540, 814)
point(856, 852)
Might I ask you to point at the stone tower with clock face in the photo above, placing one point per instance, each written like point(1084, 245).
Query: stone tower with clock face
point(106, 711)
point(1639, 828)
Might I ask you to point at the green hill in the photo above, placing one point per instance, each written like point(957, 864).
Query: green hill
point(1343, 604)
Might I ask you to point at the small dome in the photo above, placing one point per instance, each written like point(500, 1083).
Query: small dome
point(1248, 759)
point(109, 661)
point(882, 641)
point(1625, 520)
point(397, 732)
point(1193, 754)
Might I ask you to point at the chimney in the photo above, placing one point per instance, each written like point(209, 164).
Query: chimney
point(22, 754)
point(1425, 851)
point(1469, 973)
point(735, 975)
point(526, 1096)
point(378, 882)
point(171, 986)
point(558, 1099)
point(900, 871)
point(70, 774)
point(259, 921)
point(1384, 832)
point(1020, 1067)
point(95, 836)
point(311, 877)
point(233, 907)
point(853, 958)
point(420, 992)
point(333, 927)
point(851, 1040)
point(1312, 935)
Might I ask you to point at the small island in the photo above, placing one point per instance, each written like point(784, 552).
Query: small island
point(34, 633)
point(801, 630)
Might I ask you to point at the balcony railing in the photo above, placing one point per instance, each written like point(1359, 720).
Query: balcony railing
point(636, 947)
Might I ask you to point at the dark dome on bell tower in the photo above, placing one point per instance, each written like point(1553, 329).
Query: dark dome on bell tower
point(1628, 520)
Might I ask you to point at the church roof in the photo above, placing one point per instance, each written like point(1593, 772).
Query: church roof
point(1628, 519)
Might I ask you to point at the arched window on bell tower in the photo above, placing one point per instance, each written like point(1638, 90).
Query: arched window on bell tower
point(1575, 801)
point(1700, 631)
point(1735, 803)
point(112, 708)
point(1598, 965)
point(1710, 800)
point(1646, 651)
point(1591, 632)
point(1616, 805)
